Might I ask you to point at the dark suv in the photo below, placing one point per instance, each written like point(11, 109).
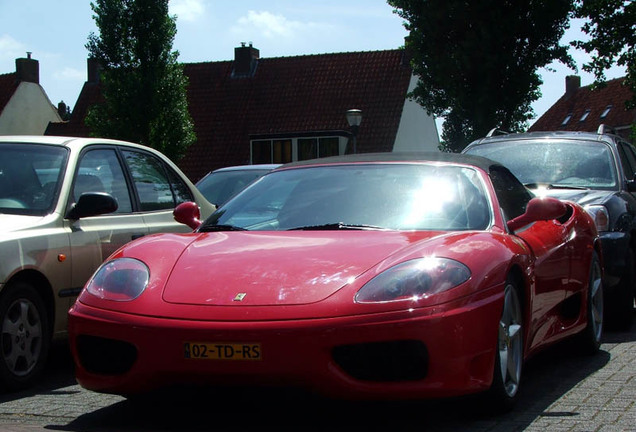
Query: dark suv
point(596, 170)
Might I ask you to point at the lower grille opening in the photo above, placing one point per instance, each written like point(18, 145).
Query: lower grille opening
point(404, 360)
point(105, 356)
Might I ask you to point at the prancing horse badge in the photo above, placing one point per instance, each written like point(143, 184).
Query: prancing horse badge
point(239, 297)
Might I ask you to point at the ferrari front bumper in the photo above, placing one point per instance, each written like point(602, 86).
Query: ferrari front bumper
point(439, 351)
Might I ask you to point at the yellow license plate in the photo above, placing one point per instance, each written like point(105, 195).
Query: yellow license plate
point(222, 351)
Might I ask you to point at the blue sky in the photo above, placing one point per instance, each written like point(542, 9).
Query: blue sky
point(56, 32)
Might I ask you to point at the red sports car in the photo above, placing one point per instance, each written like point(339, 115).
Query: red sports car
point(364, 276)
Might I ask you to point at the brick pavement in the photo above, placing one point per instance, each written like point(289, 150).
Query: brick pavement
point(562, 391)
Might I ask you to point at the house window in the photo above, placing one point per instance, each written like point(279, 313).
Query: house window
point(307, 148)
point(585, 114)
point(310, 148)
point(285, 150)
point(271, 151)
point(566, 119)
point(606, 111)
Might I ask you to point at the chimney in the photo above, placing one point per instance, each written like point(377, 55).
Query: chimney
point(407, 54)
point(27, 69)
point(245, 61)
point(572, 84)
point(94, 69)
point(62, 109)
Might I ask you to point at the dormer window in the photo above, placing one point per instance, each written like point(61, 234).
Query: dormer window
point(606, 111)
point(566, 119)
point(284, 148)
point(585, 114)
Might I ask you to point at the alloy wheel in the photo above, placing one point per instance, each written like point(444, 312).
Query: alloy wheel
point(510, 341)
point(21, 337)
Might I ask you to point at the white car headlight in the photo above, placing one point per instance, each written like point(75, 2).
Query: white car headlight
point(600, 215)
point(414, 279)
point(122, 279)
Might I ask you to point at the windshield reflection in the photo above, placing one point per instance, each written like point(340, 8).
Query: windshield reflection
point(361, 196)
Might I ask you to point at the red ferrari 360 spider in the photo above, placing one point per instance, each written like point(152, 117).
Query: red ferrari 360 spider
point(364, 276)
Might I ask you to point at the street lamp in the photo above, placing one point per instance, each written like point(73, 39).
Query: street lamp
point(354, 118)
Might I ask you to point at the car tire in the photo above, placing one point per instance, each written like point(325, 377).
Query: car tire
point(591, 337)
point(24, 338)
point(621, 304)
point(504, 390)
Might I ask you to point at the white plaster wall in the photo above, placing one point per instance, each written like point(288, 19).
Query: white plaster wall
point(28, 112)
point(417, 130)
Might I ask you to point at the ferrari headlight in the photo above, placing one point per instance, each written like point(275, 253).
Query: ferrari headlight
point(414, 279)
point(122, 279)
point(600, 215)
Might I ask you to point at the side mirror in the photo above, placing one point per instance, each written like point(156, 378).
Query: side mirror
point(631, 185)
point(188, 213)
point(92, 204)
point(546, 208)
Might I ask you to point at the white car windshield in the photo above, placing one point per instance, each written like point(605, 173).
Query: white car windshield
point(29, 177)
point(555, 163)
point(395, 196)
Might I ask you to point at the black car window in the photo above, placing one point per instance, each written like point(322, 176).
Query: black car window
point(30, 177)
point(628, 159)
point(512, 195)
point(219, 186)
point(181, 191)
point(100, 171)
point(156, 188)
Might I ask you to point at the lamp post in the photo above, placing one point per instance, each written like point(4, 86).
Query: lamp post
point(354, 118)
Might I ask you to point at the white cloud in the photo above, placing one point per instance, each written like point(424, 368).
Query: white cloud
point(10, 49)
point(187, 10)
point(270, 25)
point(70, 74)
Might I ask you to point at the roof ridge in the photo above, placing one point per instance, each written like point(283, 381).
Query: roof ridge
point(303, 56)
point(605, 83)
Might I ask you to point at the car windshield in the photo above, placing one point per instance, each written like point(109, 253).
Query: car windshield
point(555, 163)
point(219, 186)
point(29, 177)
point(394, 196)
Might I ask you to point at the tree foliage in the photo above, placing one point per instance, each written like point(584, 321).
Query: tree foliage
point(477, 61)
point(611, 26)
point(142, 84)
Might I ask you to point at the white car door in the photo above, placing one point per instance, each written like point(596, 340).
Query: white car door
point(94, 238)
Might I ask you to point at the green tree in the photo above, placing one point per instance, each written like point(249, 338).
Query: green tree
point(611, 26)
point(477, 61)
point(142, 84)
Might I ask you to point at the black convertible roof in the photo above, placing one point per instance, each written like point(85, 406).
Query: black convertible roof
point(459, 158)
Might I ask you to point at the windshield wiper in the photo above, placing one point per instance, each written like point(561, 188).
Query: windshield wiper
point(336, 226)
point(212, 228)
point(554, 186)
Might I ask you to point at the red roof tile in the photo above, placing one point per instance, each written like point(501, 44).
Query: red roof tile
point(8, 86)
point(75, 125)
point(286, 95)
point(614, 94)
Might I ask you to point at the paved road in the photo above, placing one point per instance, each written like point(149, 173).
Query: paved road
point(562, 391)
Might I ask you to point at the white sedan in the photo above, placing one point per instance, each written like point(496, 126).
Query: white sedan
point(66, 204)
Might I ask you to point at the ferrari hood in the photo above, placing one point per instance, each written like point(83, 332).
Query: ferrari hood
point(282, 268)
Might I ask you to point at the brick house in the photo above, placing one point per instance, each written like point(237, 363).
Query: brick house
point(25, 109)
point(272, 110)
point(584, 109)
